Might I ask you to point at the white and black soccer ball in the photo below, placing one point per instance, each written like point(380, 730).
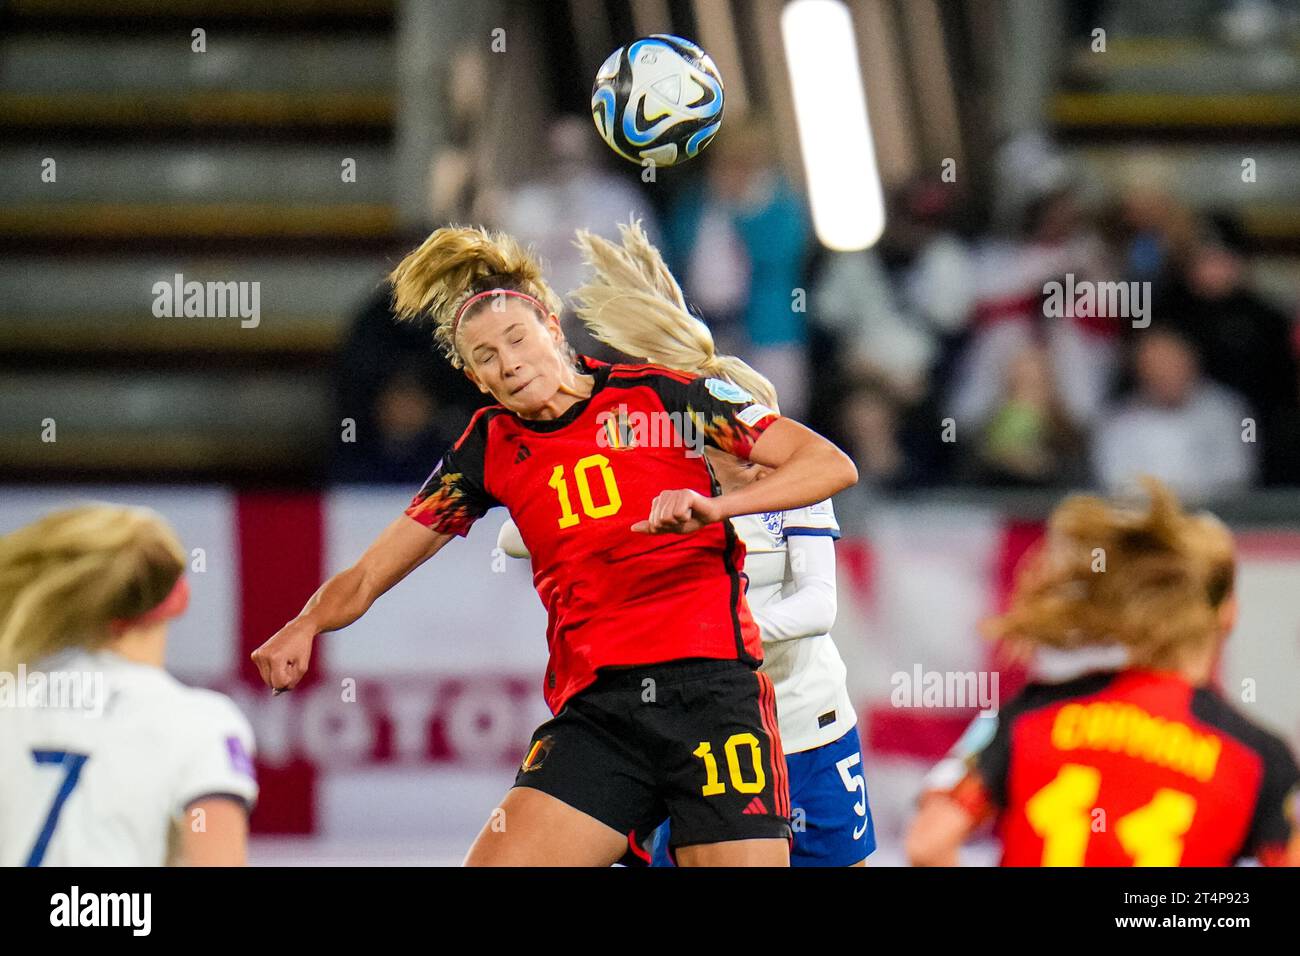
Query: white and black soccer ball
point(659, 98)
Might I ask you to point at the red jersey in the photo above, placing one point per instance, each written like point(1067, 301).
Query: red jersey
point(1128, 768)
point(576, 484)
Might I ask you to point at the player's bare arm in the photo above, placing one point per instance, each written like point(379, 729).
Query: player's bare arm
point(1293, 850)
point(806, 468)
point(222, 840)
point(401, 548)
point(939, 830)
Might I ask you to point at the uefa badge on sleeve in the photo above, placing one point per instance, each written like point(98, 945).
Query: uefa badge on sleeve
point(725, 391)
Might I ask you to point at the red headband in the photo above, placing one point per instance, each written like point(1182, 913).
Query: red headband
point(173, 605)
point(490, 292)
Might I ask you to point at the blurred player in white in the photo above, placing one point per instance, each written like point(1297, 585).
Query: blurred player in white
point(115, 763)
point(789, 565)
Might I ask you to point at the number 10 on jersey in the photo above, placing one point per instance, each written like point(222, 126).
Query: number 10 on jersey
point(581, 477)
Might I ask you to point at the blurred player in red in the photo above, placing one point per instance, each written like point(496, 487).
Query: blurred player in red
point(1142, 766)
point(659, 709)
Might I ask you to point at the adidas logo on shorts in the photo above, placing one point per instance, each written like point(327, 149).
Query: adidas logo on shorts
point(756, 806)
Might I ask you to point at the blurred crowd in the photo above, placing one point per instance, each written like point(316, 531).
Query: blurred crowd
point(997, 384)
point(941, 356)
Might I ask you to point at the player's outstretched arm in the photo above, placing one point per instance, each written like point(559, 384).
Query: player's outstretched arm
point(938, 831)
point(223, 838)
point(1290, 856)
point(400, 548)
point(806, 469)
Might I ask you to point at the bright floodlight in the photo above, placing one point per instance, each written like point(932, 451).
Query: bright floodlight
point(839, 158)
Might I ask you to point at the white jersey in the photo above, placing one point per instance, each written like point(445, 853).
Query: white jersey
point(790, 565)
point(102, 778)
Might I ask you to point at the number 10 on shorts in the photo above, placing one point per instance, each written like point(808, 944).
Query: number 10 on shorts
point(732, 748)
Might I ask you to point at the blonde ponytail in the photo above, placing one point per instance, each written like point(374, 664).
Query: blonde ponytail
point(1151, 580)
point(455, 263)
point(633, 304)
point(66, 577)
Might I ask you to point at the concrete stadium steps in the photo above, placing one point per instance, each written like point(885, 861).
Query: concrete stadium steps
point(278, 83)
point(1184, 66)
point(183, 222)
point(194, 174)
point(300, 338)
point(221, 166)
point(1120, 114)
point(1210, 177)
point(1209, 174)
point(1178, 86)
point(132, 192)
point(296, 12)
point(156, 16)
point(233, 63)
point(161, 423)
point(86, 307)
point(370, 114)
point(1201, 107)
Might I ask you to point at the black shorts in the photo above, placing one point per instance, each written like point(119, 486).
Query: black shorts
point(694, 741)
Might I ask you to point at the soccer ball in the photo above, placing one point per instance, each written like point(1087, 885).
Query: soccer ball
point(658, 99)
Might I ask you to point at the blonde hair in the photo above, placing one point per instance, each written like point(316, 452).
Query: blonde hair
point(1165, 576)
point(456, 263)
point(65, 578)
point(633, 304)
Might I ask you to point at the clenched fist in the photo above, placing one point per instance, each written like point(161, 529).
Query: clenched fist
point(282, 660)
point(680, 512)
